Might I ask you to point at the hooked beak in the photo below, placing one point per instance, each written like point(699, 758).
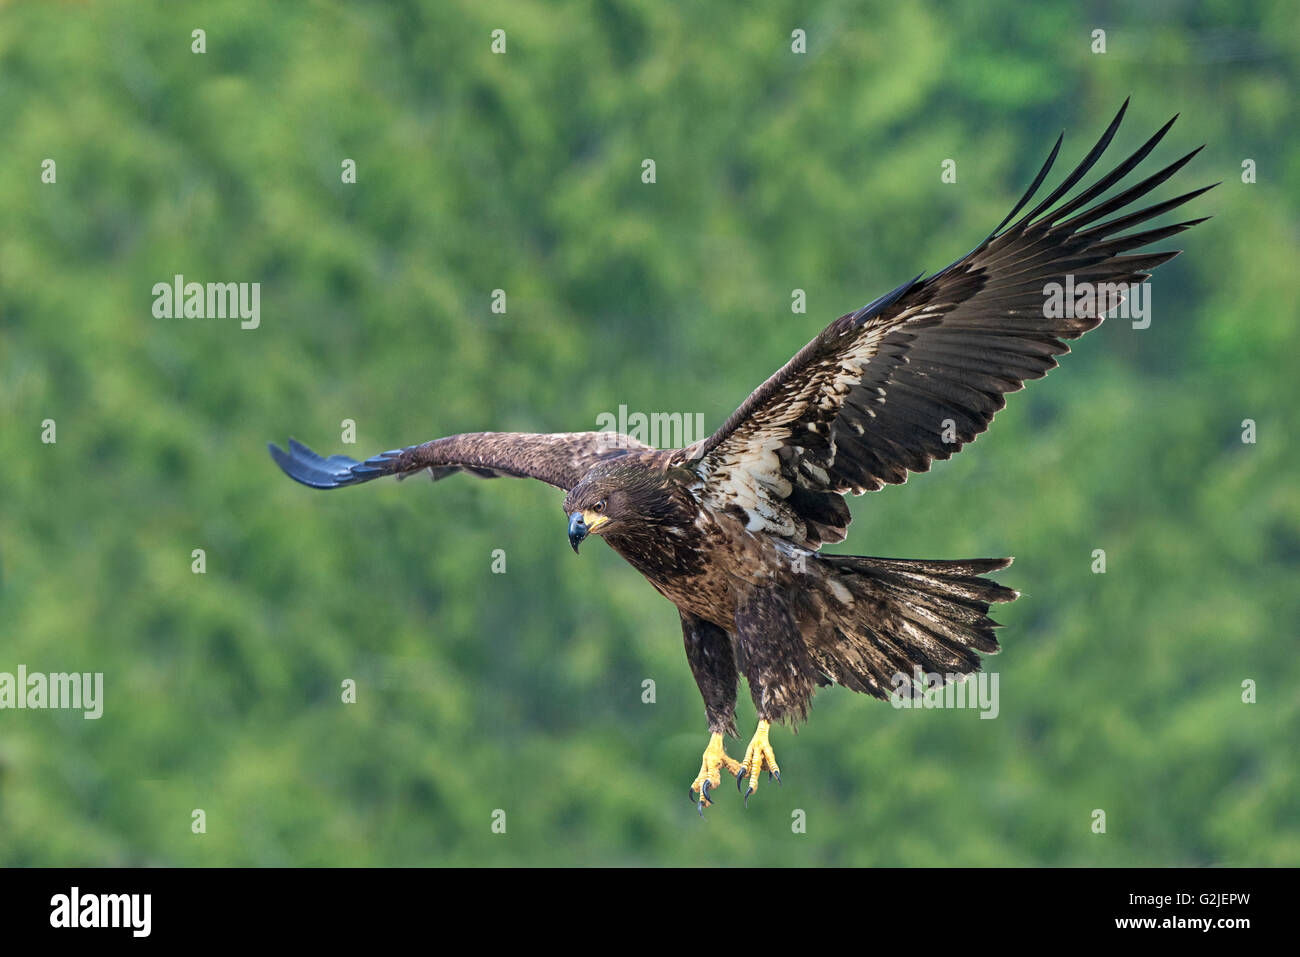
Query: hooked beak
point(582, 524)
point(577, 530)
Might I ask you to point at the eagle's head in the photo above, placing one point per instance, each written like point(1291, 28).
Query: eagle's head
point(619, 500)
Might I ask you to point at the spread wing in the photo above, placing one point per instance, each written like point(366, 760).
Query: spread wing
point(918, 373)
point(560, 459)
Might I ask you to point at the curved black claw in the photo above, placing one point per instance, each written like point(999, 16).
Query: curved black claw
point(740, 776)
point(747, 794)
point(704, 798)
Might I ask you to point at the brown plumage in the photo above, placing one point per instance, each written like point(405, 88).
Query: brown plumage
point(728, 529)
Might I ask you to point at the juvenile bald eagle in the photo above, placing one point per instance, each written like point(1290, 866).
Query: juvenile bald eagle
point(729, 529)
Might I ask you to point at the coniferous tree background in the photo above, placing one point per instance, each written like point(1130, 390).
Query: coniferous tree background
point(523, 691)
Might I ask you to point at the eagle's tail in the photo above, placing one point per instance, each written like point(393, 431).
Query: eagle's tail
point(886, 617)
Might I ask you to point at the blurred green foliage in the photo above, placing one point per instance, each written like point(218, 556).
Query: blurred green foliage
point(523, 691)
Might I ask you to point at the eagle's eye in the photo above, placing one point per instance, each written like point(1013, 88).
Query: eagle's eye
point(599, 507)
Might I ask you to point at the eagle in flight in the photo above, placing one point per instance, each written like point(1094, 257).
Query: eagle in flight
point(730, 529)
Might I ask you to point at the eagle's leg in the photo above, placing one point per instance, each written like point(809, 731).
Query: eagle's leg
point(710, 776)
point(758, 755)
point(713, 662)
point(777, 666)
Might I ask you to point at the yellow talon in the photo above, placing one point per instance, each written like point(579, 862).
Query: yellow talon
point(758, 754)
point(710, 776)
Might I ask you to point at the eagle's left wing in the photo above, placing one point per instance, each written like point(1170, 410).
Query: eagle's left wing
point(559, 458)
point(916, 374)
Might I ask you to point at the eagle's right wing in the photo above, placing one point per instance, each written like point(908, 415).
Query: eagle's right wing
point(560, 458)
